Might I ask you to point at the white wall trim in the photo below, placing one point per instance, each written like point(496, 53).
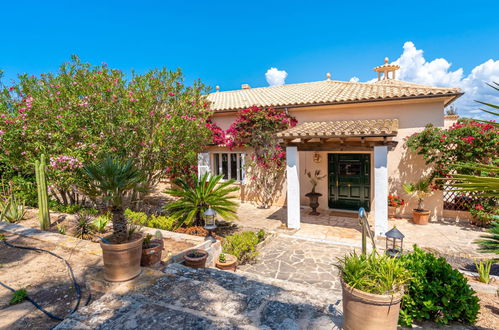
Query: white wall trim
point(380, 190)
point(293, 187)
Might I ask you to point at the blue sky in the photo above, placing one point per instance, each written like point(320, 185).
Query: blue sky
point(228, 43)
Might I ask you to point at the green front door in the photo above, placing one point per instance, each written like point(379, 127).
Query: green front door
point(349, 181)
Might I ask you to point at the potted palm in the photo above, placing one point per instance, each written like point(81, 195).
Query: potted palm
point(373, 287)
point(195, 196)
point(421, 189)
point(111, 179)
point(313, 195)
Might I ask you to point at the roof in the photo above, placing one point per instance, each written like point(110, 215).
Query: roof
point(344, 128)
point(325, 93)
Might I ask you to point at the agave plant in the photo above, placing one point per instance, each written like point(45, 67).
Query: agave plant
point(197, 196)
point(111, 179)
point(11, 210)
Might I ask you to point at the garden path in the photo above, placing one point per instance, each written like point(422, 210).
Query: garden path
point(300, 261)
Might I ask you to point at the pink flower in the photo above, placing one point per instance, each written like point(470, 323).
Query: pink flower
point(171, 94)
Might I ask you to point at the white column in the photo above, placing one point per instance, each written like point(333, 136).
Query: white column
point(293, 182)
point(380, 190)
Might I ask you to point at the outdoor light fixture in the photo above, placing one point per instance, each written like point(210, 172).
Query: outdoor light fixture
point(210, 216)
point(394, 241)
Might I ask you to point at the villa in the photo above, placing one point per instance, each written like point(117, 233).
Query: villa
point(353, 132)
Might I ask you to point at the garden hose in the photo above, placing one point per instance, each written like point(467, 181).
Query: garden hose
point(76, 285)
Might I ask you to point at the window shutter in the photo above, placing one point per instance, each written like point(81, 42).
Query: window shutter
point(203, 163)
point(243, 169)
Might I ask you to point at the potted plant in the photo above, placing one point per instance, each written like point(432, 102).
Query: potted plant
point(314, 196)
point(151, 251)
point(394, 202)
point(196, 258)
point(421, 189)
point(111, 179)
point(483, 213)
point(226, 262)
point(373, 287)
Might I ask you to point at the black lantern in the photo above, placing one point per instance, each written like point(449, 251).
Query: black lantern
point(394, 241)
point(210, 217)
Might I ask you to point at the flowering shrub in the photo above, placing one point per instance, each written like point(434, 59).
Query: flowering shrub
point(83, 112)
point(484, 211)
point(465, 141)
point(256, 127)
point(395, 201)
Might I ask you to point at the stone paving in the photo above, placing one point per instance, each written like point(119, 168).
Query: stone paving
point(184, 298)
point(449, 236)
point(300, 261)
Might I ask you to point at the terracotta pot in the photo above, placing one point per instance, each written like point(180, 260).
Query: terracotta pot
point(196, 261)
point(420, 217)
point(392, 212)
point(366, 311)
point(151, 256)
point(229, 264)
point(122, 261)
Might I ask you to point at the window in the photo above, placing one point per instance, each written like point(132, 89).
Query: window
point(231, 165)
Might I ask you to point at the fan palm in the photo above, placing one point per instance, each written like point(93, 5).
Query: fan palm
point(421, 189)
point(111, 179)
point(197, 196)
point(490, 243)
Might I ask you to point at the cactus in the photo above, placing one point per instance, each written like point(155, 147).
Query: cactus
point(41, 182)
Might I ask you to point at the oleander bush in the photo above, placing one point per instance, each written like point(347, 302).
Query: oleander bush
point(243, 245)
point(437, 292)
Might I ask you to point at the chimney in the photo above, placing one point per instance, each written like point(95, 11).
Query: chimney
point(245, 86)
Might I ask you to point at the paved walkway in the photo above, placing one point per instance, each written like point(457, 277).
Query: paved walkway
point(300, 261)
point(450, 236)
point(184, 298)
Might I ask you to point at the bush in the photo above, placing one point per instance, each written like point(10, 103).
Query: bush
point(243, 245)
point(373, 273)
point(437, 292)
point(159, 222)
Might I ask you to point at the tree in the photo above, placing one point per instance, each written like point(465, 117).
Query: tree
point(83, 112)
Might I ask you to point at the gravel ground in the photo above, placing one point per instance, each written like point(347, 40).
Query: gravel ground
point(46, 279)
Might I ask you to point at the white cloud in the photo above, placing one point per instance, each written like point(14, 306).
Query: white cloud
point(276, 77)
point(415, 68)
point(354, 79)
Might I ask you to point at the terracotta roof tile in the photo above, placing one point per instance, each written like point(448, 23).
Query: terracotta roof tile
point(345, 128)
point(325, 92)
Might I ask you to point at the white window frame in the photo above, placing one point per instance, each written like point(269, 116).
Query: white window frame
point(240, 175)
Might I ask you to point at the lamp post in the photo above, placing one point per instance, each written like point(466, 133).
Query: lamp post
point(394, 241)
point(210, 217)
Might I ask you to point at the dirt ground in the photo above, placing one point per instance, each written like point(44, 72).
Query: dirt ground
point(46, 279)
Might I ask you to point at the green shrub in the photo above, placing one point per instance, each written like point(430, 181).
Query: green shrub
point(437, 292)
point(18, 296)
point(243, 245)
point(373, 273)
point(101, 222)
point(159, 222)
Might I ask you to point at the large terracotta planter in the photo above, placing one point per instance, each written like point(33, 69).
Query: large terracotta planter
point(366, 311)
point(151, 256)
point(122, 261)
point(229, 264)
point(420, 217)
point(196, 258)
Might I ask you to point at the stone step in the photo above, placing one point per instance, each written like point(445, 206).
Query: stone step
point(184, 298)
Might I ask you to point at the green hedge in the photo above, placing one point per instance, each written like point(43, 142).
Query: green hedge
point(243, 245)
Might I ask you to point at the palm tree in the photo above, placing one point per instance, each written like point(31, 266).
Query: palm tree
point(197, 196)
point(490, 243)
point(111, 179)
